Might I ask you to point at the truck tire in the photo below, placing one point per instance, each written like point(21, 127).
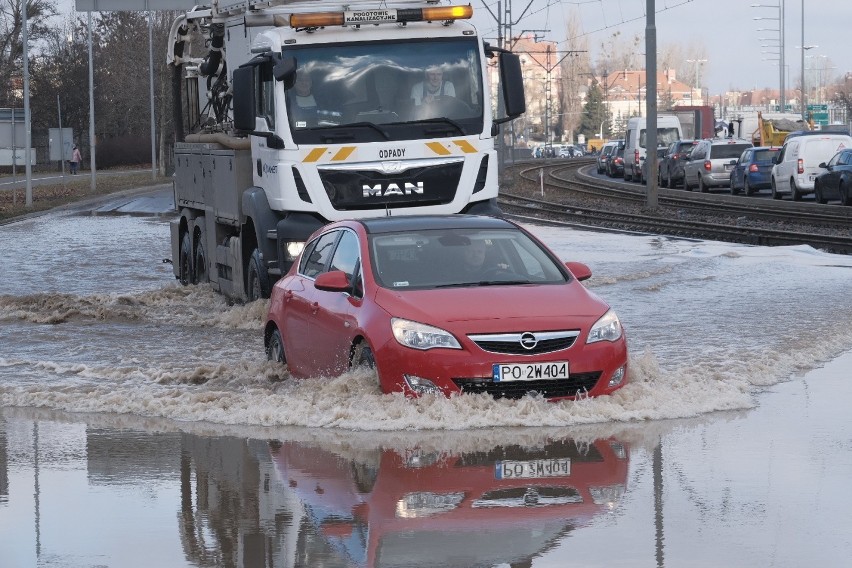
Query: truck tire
point(199, 273)
point(185, 261)
point(257, 279)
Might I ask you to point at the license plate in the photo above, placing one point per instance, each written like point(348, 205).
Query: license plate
point(529, 371)
point(812, 177)
point(532, 469)
point(728, 167)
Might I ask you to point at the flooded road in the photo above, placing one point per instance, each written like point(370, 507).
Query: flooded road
point(142, 425)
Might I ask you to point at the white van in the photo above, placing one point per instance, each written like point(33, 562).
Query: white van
point(668, 131)
point(797, 166)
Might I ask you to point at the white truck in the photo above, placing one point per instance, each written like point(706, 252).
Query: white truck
point(303, 112)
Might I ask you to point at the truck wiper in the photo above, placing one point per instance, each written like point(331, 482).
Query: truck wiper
point(341, 131)
point(438, 120)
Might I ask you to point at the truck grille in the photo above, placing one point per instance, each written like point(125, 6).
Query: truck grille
point(577, 383)
point(359, 186)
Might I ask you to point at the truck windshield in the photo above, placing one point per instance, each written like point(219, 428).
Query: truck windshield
point(385, 91)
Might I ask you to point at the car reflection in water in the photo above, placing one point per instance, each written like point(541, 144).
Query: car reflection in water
point(507, 504)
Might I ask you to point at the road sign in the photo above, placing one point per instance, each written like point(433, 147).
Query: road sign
point(819, 113)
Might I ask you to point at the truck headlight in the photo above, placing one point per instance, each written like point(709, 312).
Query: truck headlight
point(607, 328)
point(422, 336)
point(294, 249)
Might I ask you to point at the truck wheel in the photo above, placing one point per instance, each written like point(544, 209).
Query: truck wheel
point(275, 348)
point(185, 260)
point(200, 275)
point(257, 280)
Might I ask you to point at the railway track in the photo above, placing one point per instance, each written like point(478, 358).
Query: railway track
point(575, 197)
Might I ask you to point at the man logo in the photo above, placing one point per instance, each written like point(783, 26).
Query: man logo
point(392, 189)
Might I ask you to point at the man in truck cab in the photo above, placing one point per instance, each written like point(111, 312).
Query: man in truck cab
point(433, 87)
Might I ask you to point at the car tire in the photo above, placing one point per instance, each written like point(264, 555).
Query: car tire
point(664, 182)
point(199, 265)
point(734, 190)
point(747, 189)
point(702, 188)
point(257, 279)
point(275, 348)
point(845, 194)
point(185, 261)
point(686, 186)
point(818, 194)
point(775, 194)
point(795, 194)
point(362, 356)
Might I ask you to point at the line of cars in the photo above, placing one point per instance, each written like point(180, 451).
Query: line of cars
point(809, 162)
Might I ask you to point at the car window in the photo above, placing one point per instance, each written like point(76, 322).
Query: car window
point(765, 155)
point(346, 254)
point(835, 160)
point(316, 258)
point(846, 159)
point(726, 151)
point(745, 157)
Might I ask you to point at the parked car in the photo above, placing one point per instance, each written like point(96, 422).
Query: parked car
point(446, 305)
point(836, 181)
point(615, 163)
point(644, 171)
point(671, 164)
point(606, 151)
point(711, 161)
point(797, 166)
point(567, 152)
point(752, 171)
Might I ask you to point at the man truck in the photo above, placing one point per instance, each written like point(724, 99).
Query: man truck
point(302, 112)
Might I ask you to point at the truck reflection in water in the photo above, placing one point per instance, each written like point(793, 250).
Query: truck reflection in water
point(504, 504)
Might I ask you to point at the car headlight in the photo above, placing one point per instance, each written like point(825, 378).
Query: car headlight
point(607, 328)
point(422, 336)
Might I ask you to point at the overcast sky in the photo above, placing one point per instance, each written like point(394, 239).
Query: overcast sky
point(725, 28)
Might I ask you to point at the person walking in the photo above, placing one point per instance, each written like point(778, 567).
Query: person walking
point(76, 158)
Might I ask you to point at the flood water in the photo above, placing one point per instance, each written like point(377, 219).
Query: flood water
point(142, 426)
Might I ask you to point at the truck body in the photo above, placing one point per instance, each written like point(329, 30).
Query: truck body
point(697, 122)
point(303, 112)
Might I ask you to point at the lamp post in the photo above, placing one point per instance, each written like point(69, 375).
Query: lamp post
point(698, 63)
point(780, 19)
point(804, 89)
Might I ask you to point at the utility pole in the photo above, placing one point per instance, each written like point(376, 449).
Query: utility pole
point(651, 101)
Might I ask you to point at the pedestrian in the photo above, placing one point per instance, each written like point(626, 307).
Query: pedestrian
point(76, 158)
point(433, 87)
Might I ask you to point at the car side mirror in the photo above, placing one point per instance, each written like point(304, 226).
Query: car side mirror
point(579, 270)
point(333, 281)
point(823, 165)
point(733, 162)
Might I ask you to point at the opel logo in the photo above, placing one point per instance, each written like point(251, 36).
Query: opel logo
point(528, 340)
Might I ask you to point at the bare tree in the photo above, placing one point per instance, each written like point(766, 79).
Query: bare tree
point(39, 13)
point(576, 72)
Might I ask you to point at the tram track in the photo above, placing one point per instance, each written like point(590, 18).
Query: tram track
point(576, 198)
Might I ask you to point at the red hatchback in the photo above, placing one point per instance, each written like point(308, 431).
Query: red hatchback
point(445, 304)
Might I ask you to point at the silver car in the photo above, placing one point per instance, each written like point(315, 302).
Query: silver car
point(711, 161)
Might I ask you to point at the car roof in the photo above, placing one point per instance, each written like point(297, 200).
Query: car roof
point(401, 223)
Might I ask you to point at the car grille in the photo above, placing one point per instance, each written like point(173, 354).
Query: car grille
point(548, 388)
point(528, 343)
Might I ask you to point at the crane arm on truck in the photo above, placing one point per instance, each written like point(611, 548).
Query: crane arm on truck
point(301, 112)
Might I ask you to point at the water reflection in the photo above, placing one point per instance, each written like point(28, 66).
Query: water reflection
point(259, 498)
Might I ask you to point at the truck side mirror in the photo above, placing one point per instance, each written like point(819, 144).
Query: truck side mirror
point(243, 90)
point(285, 71)
point(512, 83)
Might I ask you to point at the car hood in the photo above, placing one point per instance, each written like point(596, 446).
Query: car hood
point(543, 303)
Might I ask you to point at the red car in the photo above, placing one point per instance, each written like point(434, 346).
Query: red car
point(445, 304)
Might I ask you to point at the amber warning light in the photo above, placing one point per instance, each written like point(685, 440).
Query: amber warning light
point(358, 17)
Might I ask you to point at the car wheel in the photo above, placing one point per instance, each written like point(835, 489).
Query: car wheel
point(701, 187)
point(257, 279)
point(794, 191)
point(686, 185)
point(734, 190)
point(775, 194)
point(362, 356)
point(818, 194)
point(664, 182)
point(185, 260)
point(747, 189)
point(275, 348)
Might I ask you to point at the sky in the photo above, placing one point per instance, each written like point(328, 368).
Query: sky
point(726, 29)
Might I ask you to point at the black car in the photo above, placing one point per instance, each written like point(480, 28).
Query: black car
point(605, 154)
point(615, 163)
point(670, 168)
point(836, 181)
point(644, 179)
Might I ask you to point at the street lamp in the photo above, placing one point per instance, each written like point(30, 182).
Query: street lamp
point(804, 48)
point(698, 63)
point(780, 19)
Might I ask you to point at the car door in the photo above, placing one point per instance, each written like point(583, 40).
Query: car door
point(299, 331)
point(782, 170)
point(830, 180)
point(738, 173)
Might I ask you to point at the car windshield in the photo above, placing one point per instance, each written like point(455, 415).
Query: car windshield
point(665, 136)
point(728, 151)
point(766, 155)
point(460, 258)
point(376, 91)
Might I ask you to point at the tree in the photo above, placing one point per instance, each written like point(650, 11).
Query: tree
point(38, 13)
point(574, 70)
point(595, 113)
